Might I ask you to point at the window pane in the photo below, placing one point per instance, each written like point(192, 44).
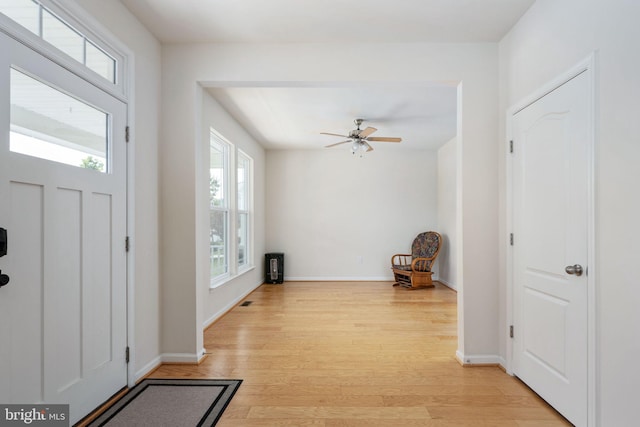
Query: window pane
point(244, 191)
point(217, 242)
point(243, 178)
point(62, 36)
point(243, 234)
point(218, 207)
point(217, 175)
point(98, 61)
point(24, 12)
point(49, 124)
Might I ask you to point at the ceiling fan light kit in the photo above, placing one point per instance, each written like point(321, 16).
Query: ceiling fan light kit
point(359, 138)
point(360, 147)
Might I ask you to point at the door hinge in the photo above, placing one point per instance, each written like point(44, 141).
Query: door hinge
point(126, 244)
point(126, 134)
point(126, 355)
point(511, 146)
point(511, 331)
point(511, 239)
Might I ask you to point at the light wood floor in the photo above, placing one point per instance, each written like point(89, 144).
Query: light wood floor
point(337, 354)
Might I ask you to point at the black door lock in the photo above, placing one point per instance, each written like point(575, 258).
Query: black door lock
point(4, 279)
point(3, 242)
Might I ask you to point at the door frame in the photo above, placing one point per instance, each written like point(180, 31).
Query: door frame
point(124, 91)
point(588, 66)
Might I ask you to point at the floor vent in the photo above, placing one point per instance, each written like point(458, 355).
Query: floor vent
point(246, 304)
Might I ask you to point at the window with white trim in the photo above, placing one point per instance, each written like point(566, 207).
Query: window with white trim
point(230, 210)
point(218, 207)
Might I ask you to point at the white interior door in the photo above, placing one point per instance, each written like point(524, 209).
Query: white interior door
point(552, 143)
point(63, 188)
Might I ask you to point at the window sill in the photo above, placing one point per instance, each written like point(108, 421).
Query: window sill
point(228, 278)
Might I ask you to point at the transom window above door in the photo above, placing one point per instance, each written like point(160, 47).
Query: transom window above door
point(58, 32)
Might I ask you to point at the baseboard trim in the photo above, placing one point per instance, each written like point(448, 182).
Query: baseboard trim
point(354, 279)
point(147, 369)
point(480, 360)
point(447, 284)
point(181, 358)
point(168, 358)
point(338, 279)
point(224, 310)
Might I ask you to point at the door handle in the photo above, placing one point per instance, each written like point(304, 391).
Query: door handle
point(3, 242)
point(574, 269)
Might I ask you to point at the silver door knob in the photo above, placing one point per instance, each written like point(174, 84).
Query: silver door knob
point(574, 269)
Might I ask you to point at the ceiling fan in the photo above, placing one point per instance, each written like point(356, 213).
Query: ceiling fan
point(359, 138)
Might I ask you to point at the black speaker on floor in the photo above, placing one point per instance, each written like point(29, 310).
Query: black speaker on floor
point(274, 267)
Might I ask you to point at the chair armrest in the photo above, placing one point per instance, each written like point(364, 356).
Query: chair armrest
point(401, 259)
point(422, 264)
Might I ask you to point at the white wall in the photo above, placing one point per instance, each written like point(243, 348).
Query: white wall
point(220, 299)
point(338, 216)
point(447, 213)
point(146, 103)
point(549, 39)
point(475, 66)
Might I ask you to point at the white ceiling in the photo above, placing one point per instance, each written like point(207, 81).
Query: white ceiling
point(423, 116)
point(328, 21)
point(292, 117)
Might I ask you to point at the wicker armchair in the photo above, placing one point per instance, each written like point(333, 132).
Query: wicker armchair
point(414, 270)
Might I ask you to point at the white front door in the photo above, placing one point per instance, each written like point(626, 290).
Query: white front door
point(63, 333)
point(552, 144)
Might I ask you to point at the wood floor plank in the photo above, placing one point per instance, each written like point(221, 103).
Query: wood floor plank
point(352, 413)
point(338, 354)
point(493, 413)
point(418, 423)
point(457, 401)
point(289, 400)
point(258, 422)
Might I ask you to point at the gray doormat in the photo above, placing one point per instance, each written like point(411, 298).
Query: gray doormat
point(171, 403)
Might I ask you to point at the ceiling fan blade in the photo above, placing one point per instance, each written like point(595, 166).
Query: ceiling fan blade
point(366, 132)
point(369, 148)
point(334, 134)
point(384, 139)
point(337, 143)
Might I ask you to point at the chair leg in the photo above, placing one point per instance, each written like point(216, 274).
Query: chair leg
point(402, 280)
point(397, 279)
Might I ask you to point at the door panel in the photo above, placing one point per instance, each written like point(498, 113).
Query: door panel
point(546, 349)
point(64, 310)
point(551, 193)
point(23, 304)
point(64, 291)
point(98, 296)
